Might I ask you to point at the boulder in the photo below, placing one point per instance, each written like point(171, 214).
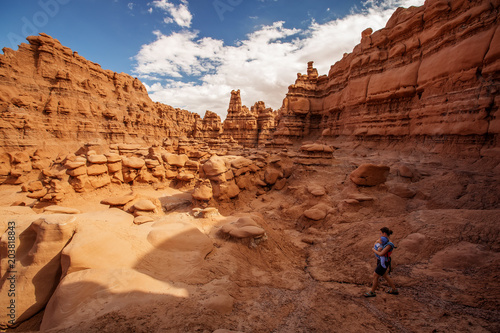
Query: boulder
point(227, 190)
point(133, 162)
point(99, 181)
point(214, 166)
point(113, 157)
point(241, 162)
point(114, 167)
point(185, 176)
point(316, 190)
point(244, 182)
point(34, 186)
point(97, 169)
point(271, 175)
point(144, 205)
point(316, 147)
point(81, 170)
point(405, 171)
point(247, 231)
point(203, 191)
point(244, 227)
point(370, 174)
point(97, 159)
point(118, 201)
point(78, 162)
point(175, 160)
point(317, 212)
point(37, 194)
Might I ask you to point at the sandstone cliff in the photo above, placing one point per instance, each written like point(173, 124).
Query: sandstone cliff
point(250, 128)
point(429, 77)
point(50, 95)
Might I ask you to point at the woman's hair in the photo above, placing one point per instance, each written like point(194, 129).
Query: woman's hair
point(386, 230)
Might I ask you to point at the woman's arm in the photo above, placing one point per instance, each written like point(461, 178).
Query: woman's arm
point(384, 250)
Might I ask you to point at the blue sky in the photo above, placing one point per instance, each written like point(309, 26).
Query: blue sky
point(192, 53)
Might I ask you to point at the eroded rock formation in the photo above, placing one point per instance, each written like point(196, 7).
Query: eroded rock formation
point(50, 94)
point(430, 77)
point(250, 128)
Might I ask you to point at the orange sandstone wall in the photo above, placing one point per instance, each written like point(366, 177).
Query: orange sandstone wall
point(431, 75)
point(250, 128)
point(52, 96)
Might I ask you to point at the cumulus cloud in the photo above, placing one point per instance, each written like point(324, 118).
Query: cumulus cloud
point(198, 74)
point(178, 14)
point(180, 53)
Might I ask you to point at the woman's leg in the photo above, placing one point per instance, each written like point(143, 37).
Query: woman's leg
point(375, 282)
point(389, 281)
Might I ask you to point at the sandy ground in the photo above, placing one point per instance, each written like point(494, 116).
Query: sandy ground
point(308, 276)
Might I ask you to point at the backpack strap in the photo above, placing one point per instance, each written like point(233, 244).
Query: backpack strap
point(388, 254)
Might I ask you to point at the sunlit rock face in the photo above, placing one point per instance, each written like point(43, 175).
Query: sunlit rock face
point(50, 94)
point(249, 127)
point(430, 77)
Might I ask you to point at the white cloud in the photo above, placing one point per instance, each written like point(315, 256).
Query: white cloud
point(177, 54)
point(179, 14)
point(262, 66)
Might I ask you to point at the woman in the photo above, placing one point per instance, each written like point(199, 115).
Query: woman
point(383, 271)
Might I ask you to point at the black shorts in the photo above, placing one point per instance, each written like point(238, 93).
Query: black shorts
point(381, 270)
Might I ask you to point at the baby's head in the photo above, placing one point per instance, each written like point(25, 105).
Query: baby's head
point(383, 240)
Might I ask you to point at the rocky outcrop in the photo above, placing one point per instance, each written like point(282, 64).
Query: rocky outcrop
point(222, 178)
point(35, 272)
point(210, 127)
point(429, 77)
point(250, 128)
point(50, 94)
point(369, 174)
point(189, 164)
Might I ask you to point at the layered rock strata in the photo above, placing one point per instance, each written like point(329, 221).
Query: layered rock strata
point(430, 76)
point(250, 128)
point(50, 94)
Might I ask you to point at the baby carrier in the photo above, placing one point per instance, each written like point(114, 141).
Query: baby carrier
point(388, 256)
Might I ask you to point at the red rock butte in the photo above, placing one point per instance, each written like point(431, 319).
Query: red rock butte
point(119, 213)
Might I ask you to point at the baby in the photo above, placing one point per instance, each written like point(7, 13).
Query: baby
point(379, 246)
